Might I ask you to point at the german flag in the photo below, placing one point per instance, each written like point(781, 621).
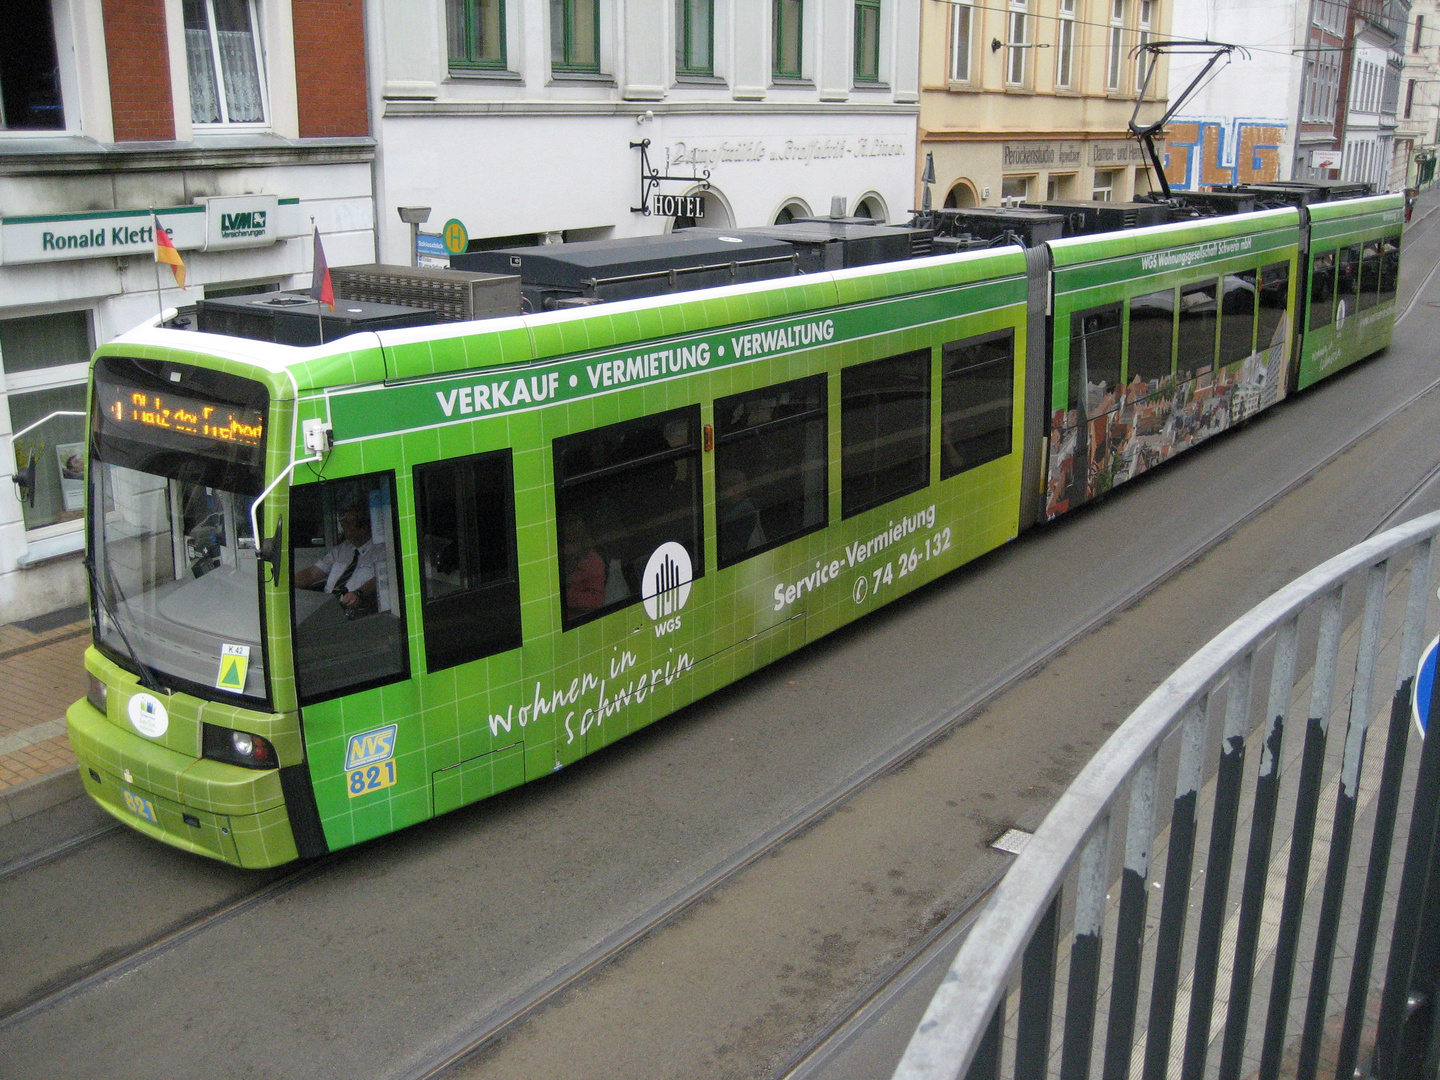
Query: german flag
point(165, 252)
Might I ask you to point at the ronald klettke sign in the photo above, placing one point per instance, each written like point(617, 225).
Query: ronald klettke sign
point(213, 223)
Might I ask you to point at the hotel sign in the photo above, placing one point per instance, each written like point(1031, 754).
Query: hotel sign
point(211, 224)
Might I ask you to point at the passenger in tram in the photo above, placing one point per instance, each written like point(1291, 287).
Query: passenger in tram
point(584, 566)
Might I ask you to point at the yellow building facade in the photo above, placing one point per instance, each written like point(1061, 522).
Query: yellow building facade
point(1029, 100)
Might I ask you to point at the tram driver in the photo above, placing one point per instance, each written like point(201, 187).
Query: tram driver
point(347, 570)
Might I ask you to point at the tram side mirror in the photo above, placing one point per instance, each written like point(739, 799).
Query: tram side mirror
point(268, 551)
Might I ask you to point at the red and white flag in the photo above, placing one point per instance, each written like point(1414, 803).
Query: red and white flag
point(320, 287)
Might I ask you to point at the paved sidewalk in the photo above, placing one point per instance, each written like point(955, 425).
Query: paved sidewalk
point(41, 673)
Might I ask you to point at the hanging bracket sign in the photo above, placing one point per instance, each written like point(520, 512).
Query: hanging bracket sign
point(653, 202)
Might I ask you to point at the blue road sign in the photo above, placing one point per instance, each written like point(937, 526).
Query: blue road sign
point(1424, 685)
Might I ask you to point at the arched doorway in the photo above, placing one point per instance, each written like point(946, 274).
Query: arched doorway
point(717, 212)
point(961, 194)
point(792, 210)
point(871, 206)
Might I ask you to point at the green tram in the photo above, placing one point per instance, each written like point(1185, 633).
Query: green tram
point(338, 590)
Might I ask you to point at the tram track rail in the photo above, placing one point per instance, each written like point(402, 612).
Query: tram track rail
point(942, 721)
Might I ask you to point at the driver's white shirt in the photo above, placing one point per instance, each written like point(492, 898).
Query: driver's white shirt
point(334, 562)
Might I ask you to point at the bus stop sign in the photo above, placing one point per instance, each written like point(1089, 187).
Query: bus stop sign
point(1424, 686)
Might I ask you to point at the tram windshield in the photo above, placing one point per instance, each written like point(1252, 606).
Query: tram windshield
point(175, 463)
point(178, 570)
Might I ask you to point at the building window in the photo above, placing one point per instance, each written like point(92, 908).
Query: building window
point(1065, 45)
point(867, 41)
point(1014, 190)
point(695, 37)
point(789, 22)
point(1419, 29)
point(1142, 58)
point(222, 55)
point(1015, 66)
point(45, 359)
point(1409, 97)
point(961, 40)
point(476, 30)
point(575, 35)
point(29, 69)
point(1117, 45)
point(1103, 189)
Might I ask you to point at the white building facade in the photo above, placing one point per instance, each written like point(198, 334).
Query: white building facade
point(211, 114)
point(518, 121)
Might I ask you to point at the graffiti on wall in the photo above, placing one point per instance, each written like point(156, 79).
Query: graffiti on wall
point(1222, 151)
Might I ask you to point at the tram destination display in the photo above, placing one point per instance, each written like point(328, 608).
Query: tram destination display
point(133, 412)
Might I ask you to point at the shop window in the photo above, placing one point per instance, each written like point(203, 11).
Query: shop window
point(30, 97)
point(884, 430)
point(867, 41)
point(770, 467)
point(1095, 340)
point(789, 19)
point(348, 603)
point(977, 389)
point(1237, 317)
point(222, 55)
point(469, 578)
point(1322, 289)
point(475, 30)
point(694, 37)
point(45, 358)
point(792, 211)
point(1014, 190)
point(621, 492)
point(575, 35)
point(1103, 189)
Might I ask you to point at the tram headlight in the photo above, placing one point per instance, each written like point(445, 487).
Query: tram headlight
point(97, 693)
point(237, 748)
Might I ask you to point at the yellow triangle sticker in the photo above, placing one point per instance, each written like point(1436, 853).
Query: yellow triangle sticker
point(234, 661)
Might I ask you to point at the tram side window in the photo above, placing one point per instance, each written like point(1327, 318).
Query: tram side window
point(347, 602)
point(1195, 354)
point(1272, 327)
point(1347, 278)
point(1369, 275)
point(621, 491)
point(1389, 267)
point(1095, 360)
point(469, 582)
point(977, 390)
point(1152, 339)
point(884, 430)
point(770, 467)
point(1237, 323)
point(1322, 289)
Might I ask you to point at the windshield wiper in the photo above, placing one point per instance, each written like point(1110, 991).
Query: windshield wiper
point(148, 678)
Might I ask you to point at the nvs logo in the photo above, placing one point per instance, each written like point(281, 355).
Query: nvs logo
point(244, 223)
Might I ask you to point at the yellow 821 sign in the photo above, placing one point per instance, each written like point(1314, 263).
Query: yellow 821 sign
point(456, 238)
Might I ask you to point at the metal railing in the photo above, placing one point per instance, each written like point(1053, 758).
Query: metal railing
point(1295, 928)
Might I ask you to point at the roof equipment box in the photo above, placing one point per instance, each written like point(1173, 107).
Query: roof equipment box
point(1086, 216)
point(288, 318)
point(634, 267)
point(454, 295)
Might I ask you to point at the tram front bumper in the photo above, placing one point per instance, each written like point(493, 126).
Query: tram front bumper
point(226, 812)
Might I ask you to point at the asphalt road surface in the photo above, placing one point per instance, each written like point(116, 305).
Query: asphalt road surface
point(398, 949)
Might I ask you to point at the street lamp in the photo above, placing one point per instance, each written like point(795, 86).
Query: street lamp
point(414, 216)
